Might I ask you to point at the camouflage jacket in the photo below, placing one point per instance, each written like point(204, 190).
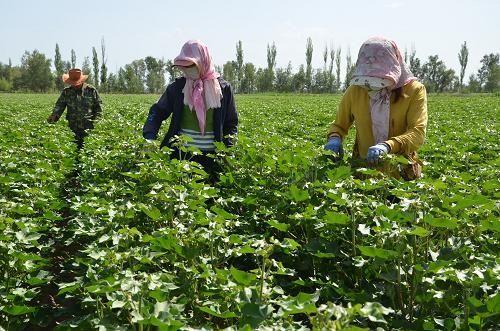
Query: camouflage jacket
point(84, 106)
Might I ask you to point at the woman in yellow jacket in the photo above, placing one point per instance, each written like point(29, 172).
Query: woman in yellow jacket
point(387, 105)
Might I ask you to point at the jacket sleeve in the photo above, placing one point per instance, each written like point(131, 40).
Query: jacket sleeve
point(97, 110)
point(158, 112)
point(230, 128)
point(60, 106)
point(343, 121)
point(416, 123)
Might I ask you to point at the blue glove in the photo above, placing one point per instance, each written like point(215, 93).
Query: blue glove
point(375, 153)
point(334, 144)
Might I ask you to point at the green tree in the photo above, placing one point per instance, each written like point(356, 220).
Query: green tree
point(239, 64)
point(121, 83)
point(59, 65)
point(331, 76)
point(135, 76)
point(9, 71)
point(36, 72)
point(337, 65)
point(415, 66)
point(349, 69)
point(95, 62)
point(309, 53)
point(474, 84)
point(248, 81)
point(431, 70)
point(5, 83)
point(271, 64)
point(463, 58)
point(230, 72)
point(4, 70)
point(172, 71)
point(325, 58)
point(86, 69)
point(104, 69)
point(320, 81)
point(489, 73)
point(11, 75)
point(112, 83)
point(73, 58)
point(447, 79)
point(262, 80)
point(155, 77)
point(299, 80)
point(436, 76)
point(66, 66)
point(284, 78)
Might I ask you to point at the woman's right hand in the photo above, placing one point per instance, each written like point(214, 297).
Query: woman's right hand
point(334, 144)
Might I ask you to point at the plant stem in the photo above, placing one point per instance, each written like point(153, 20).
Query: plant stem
point(357, 275)
point(353, 228)
point(398, 287)
point(262, 274)
point(466, 310)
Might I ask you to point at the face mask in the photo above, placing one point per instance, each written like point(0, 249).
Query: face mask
point(191, 73)
point(372, 83)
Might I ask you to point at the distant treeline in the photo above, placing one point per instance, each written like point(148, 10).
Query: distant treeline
point(38, 73)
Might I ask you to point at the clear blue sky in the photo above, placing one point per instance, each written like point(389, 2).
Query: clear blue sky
point(135, 29)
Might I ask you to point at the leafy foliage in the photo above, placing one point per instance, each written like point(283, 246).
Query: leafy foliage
point(285, 240)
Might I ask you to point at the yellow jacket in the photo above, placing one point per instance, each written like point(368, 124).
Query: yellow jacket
point(408, 120)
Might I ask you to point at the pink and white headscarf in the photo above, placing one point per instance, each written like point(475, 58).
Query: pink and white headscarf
point(381, 69)
point(204, 92)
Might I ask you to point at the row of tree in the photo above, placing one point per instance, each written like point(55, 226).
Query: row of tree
point(149, 75)
point(433, 73)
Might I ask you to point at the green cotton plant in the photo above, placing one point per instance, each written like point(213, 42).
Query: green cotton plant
point(33, 167)
point(286, 239)
point(336, 317)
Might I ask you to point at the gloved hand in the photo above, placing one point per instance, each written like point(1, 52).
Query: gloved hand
point(376, 152)
point(334, 144)
point(52, 118)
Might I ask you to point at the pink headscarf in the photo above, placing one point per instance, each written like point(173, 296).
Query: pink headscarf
point(205, 92)
point(381, 58)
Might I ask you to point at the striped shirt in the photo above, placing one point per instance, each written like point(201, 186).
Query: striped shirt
point(204, 143)
point(190, 128)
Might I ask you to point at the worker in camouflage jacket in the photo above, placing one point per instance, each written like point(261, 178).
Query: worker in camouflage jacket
point(83, 102)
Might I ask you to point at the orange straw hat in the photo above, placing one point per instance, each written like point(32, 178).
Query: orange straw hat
point(74, 77)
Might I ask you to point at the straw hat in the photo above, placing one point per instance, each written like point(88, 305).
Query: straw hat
point(74, 77)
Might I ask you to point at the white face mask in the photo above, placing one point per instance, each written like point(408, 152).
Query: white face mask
point(191, 73)
point(372, 83)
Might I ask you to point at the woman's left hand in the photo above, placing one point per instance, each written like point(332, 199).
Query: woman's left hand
point(376, 152)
